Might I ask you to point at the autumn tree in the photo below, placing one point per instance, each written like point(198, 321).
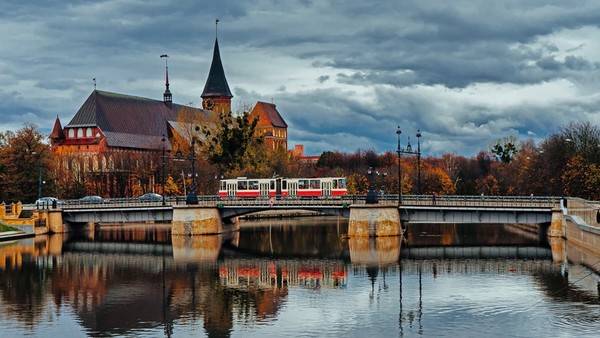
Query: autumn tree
point(583, 138)
point(23, 158)
point(581, 178)
point(357, 183)
point(488, 185)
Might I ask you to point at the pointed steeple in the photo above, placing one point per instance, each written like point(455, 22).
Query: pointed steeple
point(216, 84)
point(57, 132)
point(167, 97)
point(216, 95)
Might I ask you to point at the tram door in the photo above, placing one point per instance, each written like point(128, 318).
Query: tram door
point(292, 188)
point(278, 188)
point(264, 189)
point(231, 189)
point(325, 188)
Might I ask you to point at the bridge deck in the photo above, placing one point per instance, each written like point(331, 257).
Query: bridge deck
point(449, 209)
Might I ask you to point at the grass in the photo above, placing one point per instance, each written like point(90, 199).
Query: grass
point(4, 227)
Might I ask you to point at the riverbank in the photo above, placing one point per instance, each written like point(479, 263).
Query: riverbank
point(8, 233)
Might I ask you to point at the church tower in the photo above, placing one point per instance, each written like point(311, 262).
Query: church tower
point(216, 95)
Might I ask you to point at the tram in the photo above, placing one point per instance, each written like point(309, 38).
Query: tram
point(287, 187)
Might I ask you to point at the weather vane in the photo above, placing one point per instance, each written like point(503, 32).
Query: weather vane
point(94, 79)
point(166, 58)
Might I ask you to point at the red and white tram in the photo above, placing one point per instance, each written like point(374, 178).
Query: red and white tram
point(269, 187)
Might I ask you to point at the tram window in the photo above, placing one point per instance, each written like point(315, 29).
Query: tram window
point(302, 184)
point(284, 184)
point(342, 183)
point(252, 185)
point(223, 185)
point(315, 184)
point(334, 184)
point(271, 185)
point(242, 185)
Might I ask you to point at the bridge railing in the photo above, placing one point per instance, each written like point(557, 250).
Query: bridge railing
point(339, 201)
point(482, 200)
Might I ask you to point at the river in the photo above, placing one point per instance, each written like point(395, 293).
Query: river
point(299, 277)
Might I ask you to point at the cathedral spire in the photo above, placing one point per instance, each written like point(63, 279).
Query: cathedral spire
point(216, 95)
point(167, 97)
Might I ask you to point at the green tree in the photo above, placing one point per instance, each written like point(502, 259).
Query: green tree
point(229, 145)
point(505, 149)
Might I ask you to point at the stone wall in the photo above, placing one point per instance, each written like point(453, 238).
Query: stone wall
point(588, 211)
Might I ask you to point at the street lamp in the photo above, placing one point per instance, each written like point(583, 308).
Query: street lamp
point(164, 171)
point(40, 181)
point(371, 195)
point(192, 198)
point(40, 166)
point(399, 167)
point(419, 161)
point(409, 151)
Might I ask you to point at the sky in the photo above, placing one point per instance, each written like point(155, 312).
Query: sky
point(343, 74)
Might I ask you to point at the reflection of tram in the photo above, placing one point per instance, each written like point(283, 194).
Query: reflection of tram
point(277, 274)
point(269, 187)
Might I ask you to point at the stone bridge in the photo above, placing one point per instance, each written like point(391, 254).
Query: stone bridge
point(217, 215)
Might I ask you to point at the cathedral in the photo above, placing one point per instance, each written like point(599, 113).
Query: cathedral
point(110, 122)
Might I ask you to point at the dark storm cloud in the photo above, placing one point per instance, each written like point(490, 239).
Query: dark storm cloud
point(344, 74)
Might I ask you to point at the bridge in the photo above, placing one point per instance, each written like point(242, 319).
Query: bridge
point(414, 208)
point(381, 219)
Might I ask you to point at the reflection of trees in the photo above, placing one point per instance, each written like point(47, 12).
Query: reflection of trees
point(23, 292)
point(467, 234)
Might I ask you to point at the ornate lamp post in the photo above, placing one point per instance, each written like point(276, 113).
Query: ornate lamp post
point(399, 151)
point(192, 198)
point(40, 180)
point(40, 167)
point(409, 151)
point(419, 161)
point(371, 195)
point(164, 171)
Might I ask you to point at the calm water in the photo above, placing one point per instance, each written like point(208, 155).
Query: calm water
point(300, 278)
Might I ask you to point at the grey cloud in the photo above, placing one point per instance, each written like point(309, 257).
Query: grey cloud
point(53, 50)
point(323, 78)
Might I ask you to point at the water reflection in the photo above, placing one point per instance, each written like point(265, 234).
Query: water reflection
point(138, 280)
point(374, 251)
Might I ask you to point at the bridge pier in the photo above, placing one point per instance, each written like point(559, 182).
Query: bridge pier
point(374, 221)
point(53, 220)
point(556, 228)
point(196, 220)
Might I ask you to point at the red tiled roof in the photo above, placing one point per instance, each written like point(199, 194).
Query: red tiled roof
point(130, 121)
point(273, 115)
point(57, 131)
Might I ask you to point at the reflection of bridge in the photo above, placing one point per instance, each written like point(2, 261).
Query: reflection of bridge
point(477, 252)
point(234, 273)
